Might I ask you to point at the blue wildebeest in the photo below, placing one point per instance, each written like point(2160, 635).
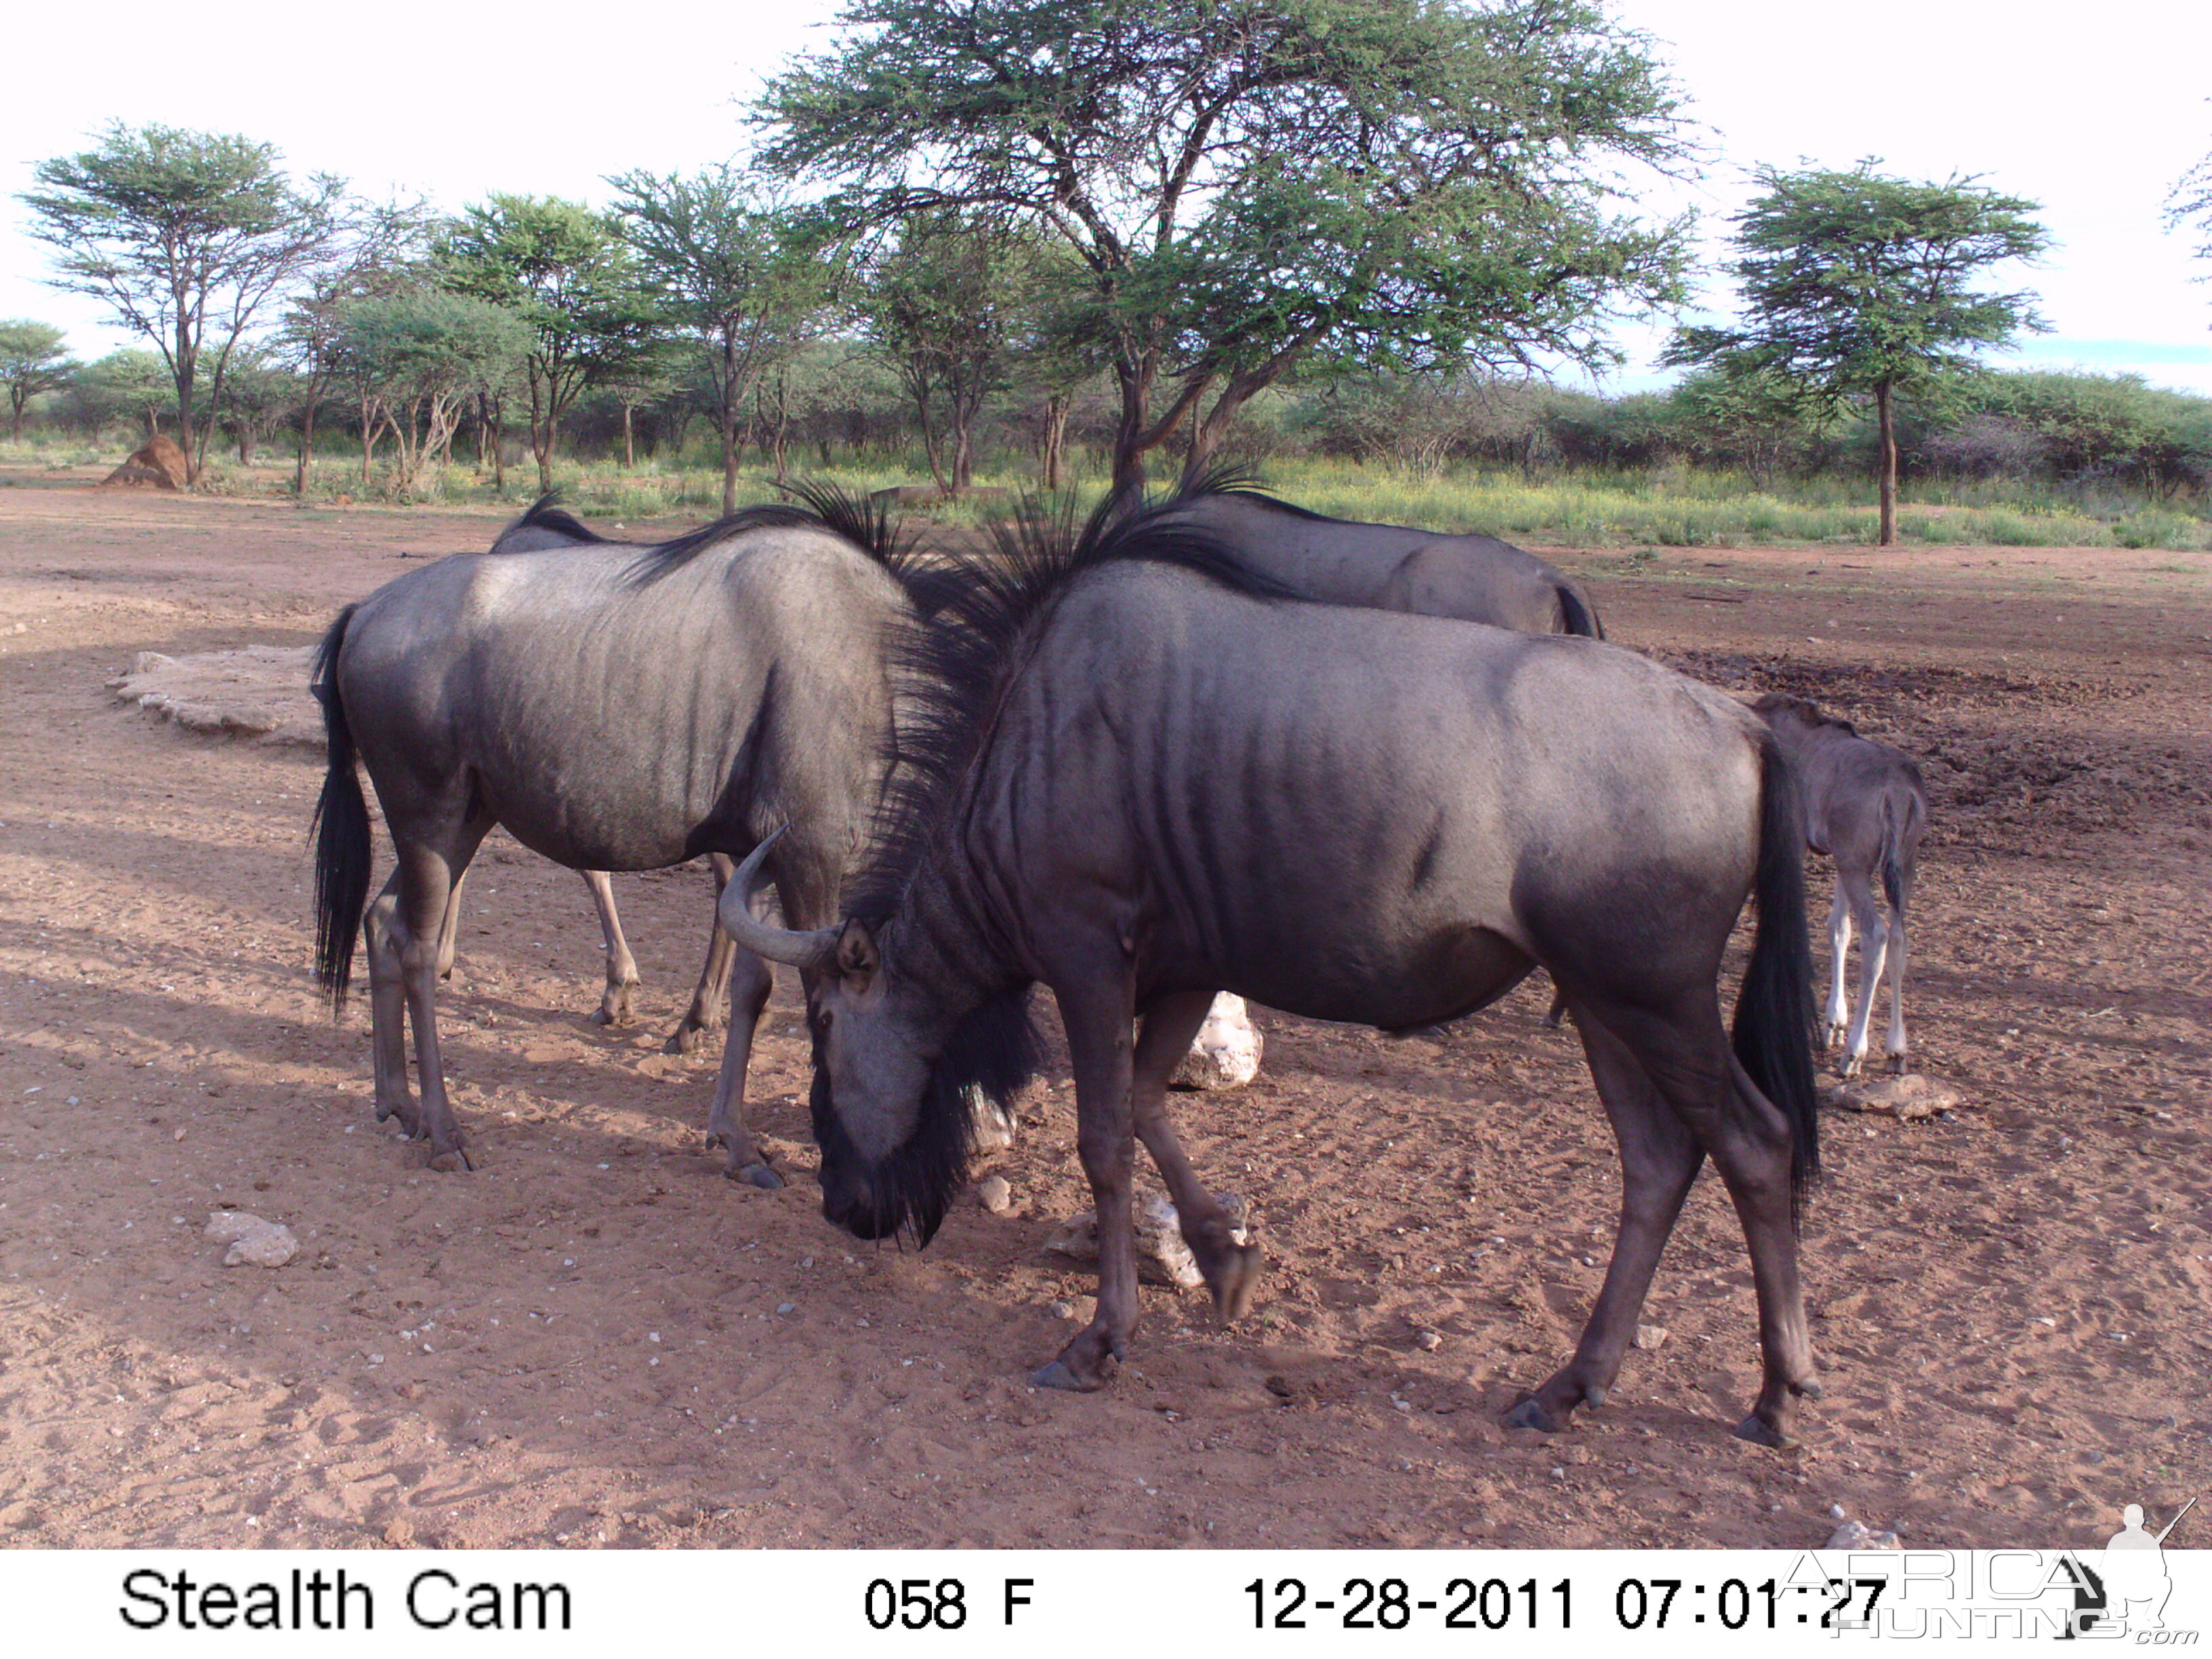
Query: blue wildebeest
point(612, 713)
point(1866, 808)
point(546, 526)
point(1141, 787)
point(1383, 567)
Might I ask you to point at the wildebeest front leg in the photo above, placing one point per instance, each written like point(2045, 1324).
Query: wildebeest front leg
point(1097, 1018)
point(750, 984)
point(1659, 1160)
point(622, 966)
point(387, 1007)
point(1231, 1270)
point(1839, 946)
point(713, 994)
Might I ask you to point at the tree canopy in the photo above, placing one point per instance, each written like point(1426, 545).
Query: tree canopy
point(1249, 182)
point(33, 358)
point(741, 271)
point(186, 236)
point(564, 269)
point(1856, 285)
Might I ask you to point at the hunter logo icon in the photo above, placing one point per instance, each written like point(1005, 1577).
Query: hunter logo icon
point(2136, 1583)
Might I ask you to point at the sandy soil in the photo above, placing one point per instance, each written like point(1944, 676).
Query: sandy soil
point(596, 1340)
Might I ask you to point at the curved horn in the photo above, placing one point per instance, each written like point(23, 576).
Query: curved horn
point(802, 950)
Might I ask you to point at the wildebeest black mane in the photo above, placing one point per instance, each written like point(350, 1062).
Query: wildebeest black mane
point(867, 525)
point(980, 610)
point(547, 514)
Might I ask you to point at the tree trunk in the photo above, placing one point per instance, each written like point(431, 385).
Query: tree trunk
point(185, 422)
point(630, 442)
point(15, 401)
point(727, 422)
point(1054, 446)
point(1886, 418)
point(307, 446)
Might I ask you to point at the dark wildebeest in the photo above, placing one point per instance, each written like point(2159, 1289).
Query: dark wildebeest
point(1866, 808)
point(1143, 786)
point(545, 526)
point(611, 714)
point(1383, 567)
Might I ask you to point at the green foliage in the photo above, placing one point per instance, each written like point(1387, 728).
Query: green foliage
point(1249, 182)
point(567, 273)
point(744, 274)
point(184, 235)
point(128, 384)
point(413, 358)
point(1852, 281)
point(33, 358)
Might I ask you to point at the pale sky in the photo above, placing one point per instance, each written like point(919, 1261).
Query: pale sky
point(2093, 113)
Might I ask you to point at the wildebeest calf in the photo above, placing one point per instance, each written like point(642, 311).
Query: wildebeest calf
point(1865, 806)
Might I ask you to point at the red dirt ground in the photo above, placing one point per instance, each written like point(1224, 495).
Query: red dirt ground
point(597, 1340)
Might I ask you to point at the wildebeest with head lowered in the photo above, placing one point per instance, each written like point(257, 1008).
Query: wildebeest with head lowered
point(1142, 786)
point(612, 713)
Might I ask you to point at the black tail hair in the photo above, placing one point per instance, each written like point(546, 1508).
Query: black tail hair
point(340, 827)
point(1775, 1011)
point(1575, 610)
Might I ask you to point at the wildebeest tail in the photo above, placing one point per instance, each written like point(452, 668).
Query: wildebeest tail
point(1899, 808)
point(341, 828)
point(1574, 611)
point(1774, 1013)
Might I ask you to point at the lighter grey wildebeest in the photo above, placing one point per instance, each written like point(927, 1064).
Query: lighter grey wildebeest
point(1866, 808)
point(1142, 782)
point(612, 713)
point(545, 526)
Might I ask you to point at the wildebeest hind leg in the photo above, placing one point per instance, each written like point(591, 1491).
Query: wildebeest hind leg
point(622, 966)
point(1098, 1017)
point(387, 1004)
point(713, 995)
point(1231, 1270)
point(427, 875)
point(1659, 1160)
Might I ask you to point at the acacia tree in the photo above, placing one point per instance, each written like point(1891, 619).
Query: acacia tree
point(950, 305)
point(1858, 286)
point(186, 236)
point(415, 359)
point(566, 272)
point(1398, 183)
point(742, 272)
point(132, 382)
point(372, 252)
point(33, 358)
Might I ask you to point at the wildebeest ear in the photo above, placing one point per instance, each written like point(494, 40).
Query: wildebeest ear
point(857, 957)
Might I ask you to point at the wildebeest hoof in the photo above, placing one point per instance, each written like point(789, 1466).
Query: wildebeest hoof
point(455, 1162)
point(1760, 1432)
point(1808, 1390)
point(757, 1172)
point(1897, 1065)
point(1058, 1375)
point(683, 1040)
point(1533, 1413)
point(1238, 1282)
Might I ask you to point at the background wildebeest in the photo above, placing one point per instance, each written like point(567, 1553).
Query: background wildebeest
point(1143, 786)
point(1383, 567)
point(614, 711)
point(1866, 808)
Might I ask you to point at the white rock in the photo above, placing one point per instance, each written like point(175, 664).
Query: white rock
point(1162, 1256)
point(253, 1242)
point(1857, 1535)
point(995, 1194)
point(1649, 1337)
point(1226, 1052)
